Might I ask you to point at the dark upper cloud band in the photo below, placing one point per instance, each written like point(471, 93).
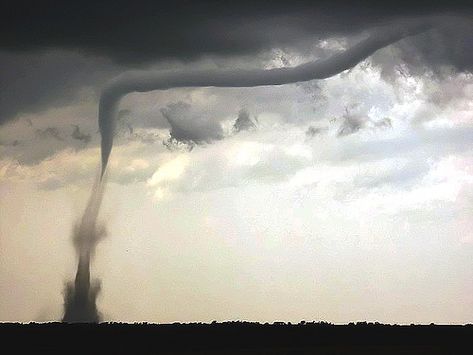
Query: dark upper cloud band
point(143, 31)
point(91, 41)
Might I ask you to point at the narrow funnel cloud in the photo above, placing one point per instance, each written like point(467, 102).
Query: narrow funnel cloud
point(80, 295)
point(142, 81)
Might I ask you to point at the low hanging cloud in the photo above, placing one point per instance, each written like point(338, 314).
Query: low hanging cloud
point(78, 135)
point(355, 119)
point(351, 124)
point(189, 127)
point(49, 132)
point(313, 131)
point(243, 122)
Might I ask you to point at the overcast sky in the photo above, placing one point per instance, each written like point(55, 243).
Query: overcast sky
point(342, 199)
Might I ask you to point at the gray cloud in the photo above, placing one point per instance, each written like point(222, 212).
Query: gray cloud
point(439, 53)
point(385, 122)
point(147, 81)
point(313, 131)
point(448, 45)
point(188, 127)
point(353, 123)
point(354, 120)
point(49, 132)
point(77, 134)
point(450, 93)
point(438, 141)
point(51, 78)
point(145, 137)
point(13, 143)
point(403, 176)
point(36, 144)
point(243, 122)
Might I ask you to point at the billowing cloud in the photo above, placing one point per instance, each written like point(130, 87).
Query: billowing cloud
point(189, 127)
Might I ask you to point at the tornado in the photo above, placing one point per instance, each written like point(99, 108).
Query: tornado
point(80, 296)
point(143, 81)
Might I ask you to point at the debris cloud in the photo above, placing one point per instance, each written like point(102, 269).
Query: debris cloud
point(80, 295)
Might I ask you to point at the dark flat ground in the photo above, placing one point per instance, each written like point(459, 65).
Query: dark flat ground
point(236, 338)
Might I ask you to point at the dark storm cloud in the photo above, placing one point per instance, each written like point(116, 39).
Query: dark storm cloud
point(45, 46)
point(141, 31)
point(449, 45)
point(34, 82)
